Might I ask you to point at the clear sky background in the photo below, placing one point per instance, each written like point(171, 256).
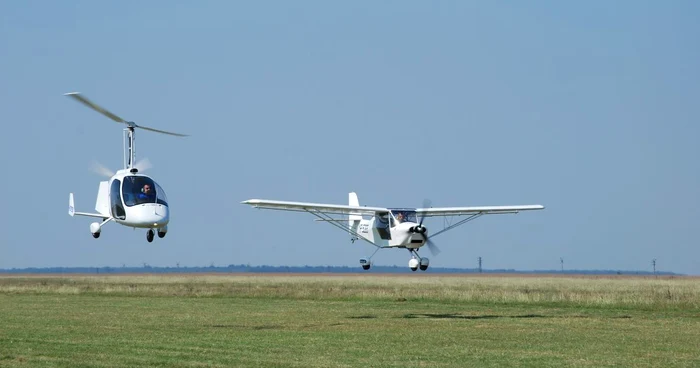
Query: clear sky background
point(589, 108)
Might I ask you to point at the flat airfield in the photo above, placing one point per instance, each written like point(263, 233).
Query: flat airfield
point(349, 320)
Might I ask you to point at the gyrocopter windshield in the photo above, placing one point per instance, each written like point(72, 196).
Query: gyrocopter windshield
point(142, 189)
point(404, 215)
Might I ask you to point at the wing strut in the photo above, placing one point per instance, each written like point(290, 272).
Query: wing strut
point(461, 222)
point(327, 218)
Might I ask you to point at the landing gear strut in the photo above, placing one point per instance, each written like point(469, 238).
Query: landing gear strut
point(366, 263)
point(96, 227)
point(150, 234)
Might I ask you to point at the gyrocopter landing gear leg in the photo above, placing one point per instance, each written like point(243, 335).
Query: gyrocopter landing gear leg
point(150, 234)
point(96, 227)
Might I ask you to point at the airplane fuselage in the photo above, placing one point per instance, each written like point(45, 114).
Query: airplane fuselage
point(400, 234)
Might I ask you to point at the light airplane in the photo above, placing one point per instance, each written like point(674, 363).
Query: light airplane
point(389, 227)
point(128, 198)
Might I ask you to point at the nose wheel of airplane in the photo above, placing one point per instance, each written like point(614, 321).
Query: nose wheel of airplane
point(150, 234)
point(417, 262)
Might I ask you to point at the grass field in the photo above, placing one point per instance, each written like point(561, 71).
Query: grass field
point(421, 320)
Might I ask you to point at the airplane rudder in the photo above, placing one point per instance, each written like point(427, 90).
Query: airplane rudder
point(353, 200)
point(353, 219)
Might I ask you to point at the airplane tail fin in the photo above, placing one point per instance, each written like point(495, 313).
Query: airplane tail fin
point(354, 219)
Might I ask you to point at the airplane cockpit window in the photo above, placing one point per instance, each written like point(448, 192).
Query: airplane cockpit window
point(404, 215)
point(140, 189)
point(381, 224)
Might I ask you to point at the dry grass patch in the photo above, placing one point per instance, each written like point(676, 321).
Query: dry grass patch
point(675, 292)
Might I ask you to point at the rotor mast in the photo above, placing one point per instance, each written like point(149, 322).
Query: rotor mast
point(129, 148)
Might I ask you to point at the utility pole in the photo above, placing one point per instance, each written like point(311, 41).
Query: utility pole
point(653, 264)
point(479, 264)
point(561, 260)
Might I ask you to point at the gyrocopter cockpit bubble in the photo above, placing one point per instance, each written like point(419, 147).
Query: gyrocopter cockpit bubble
point(137, 189)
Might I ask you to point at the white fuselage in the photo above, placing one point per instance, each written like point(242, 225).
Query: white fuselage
point(148, 216)
point(401, 236)
point(126, 202)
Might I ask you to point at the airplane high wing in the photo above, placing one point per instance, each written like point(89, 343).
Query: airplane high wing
point(464, 211)
point(370, 211)
point(472, 213)
point(389, 227)
point(316, 207)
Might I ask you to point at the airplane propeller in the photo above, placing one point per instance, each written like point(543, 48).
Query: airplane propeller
point(434, 250)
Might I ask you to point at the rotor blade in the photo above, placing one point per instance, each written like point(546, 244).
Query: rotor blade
point(94, 106)
point(101, 169)
point(427, 203)
point(161, 131)
point(434, 250)
point(143, 164)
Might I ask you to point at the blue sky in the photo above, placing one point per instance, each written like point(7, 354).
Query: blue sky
point(588, 108)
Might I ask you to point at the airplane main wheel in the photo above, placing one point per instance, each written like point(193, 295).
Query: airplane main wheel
point(365, 263)
point(149, 235)
point(95, 235)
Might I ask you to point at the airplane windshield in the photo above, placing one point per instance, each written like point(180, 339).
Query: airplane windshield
point(404, 215)
point(142, 189)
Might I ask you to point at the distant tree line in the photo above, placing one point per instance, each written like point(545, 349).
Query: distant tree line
point(305, 269)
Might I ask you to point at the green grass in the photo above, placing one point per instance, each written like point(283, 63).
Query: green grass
point(420, 320)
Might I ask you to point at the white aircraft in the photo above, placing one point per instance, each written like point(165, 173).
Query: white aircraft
point(389, 227)
point(128, 197)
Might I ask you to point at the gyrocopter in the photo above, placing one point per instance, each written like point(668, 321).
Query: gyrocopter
point(129, 197)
